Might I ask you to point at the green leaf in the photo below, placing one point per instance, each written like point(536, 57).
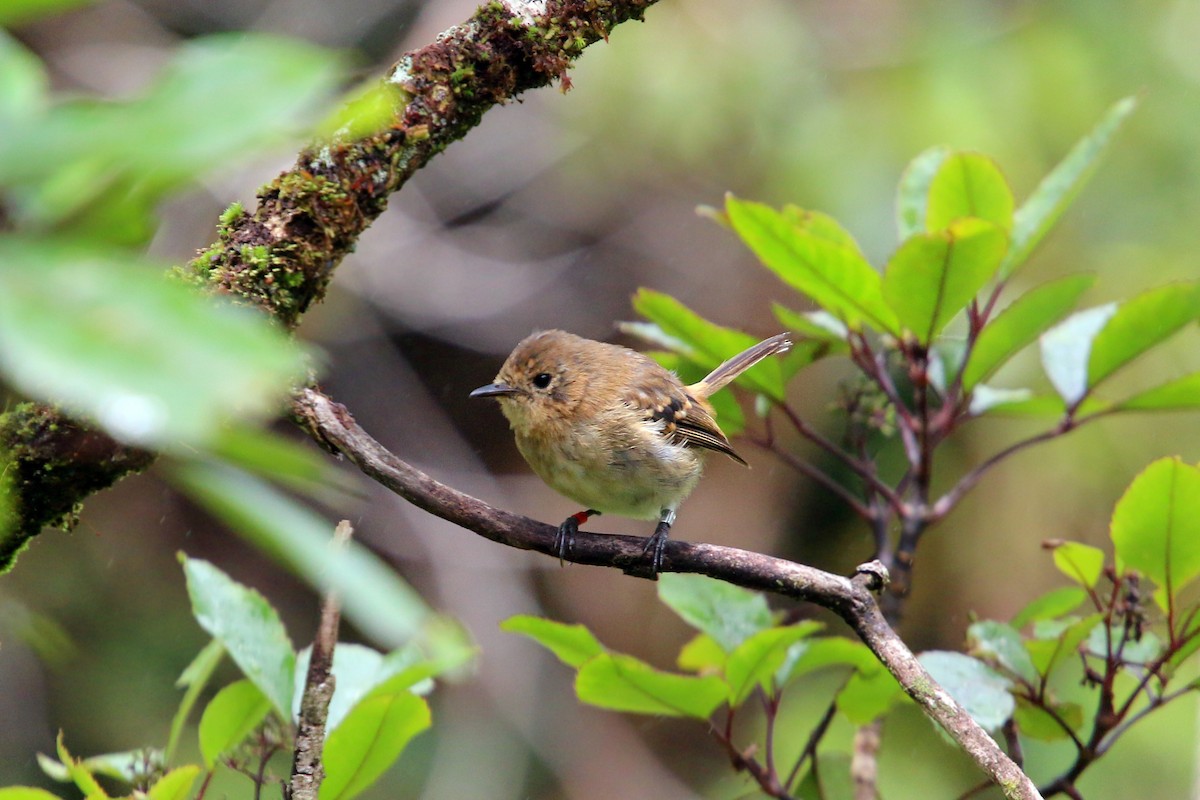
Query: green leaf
point(1179, 394)
point(298, 466)
point(151, 360)
point(1061, 641)
point(836, 276)
point(1080, 562)
point(1156, 527)
point(78, 772)
point(229, 718)
point(373, 596)
point(727, 613)
point(1037, 723)
point(756, 661)
point(17, 12)
point(709, 344)
point(978, 688)
point(912, 195)
point(1134, 651)
point(1051, 605)
point(25, 793)
point(1139, 324)
point(1020, 324)
point(703, 655)
point(1019, 403)
point(933, 276)
point(1058, 189)
point(1067, 348)
point(194, 678)
point(831, 778)
point(357, 670)
point(130, 766)
point(23, 83)
point(623, 683)
point(969, 185)
point(248, 627)
point(371, 738)
point(175, 785)
point(1000, 645)
point(865, 698)
point(574, 645)
point(811, 655)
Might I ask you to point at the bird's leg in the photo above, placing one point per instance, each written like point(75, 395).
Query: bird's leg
point(564, 540)
point(658, 541)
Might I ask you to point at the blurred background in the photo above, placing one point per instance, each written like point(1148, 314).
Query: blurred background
point(551, 214)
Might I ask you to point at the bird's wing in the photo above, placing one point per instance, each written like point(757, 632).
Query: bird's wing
point(687, 420)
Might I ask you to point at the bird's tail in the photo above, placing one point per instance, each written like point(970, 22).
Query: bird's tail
point(743, 361)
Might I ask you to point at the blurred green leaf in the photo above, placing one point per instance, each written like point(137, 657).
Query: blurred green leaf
point(756, 661)
point(130, 766)
point(229, 718)
point(1080, 562)
point(702, 654)
point(1020, 324)
point(357, 670)
point(16, 12)
point(78, 772)
point(831, 778)
point(969, 185)
point(1015, 403)
point(1000, 645)
point(1053, 650)
point(574, 645)
point(365, 111)
point(1059, 189)
point(23, 82)
point(837, 277)
point(727, 613)
point(978, 688)
point(623, 683)
point(371, 738)
point(1067, 347)
point(811, 655)
point(1050, 605)
point(1179, 394)
point(247, 626)
point(1038, 723)
point(175, 785)
point(817, 325)
point(194, 678)
point(25, 793)
point(866, 697)
point(373, 596)
point(1156, 527)
point(296, 465)
point(1139, 324)
point(933, 276)
point(912, 195)
point(709, 344)
point(1134, 651)
point(153, 361)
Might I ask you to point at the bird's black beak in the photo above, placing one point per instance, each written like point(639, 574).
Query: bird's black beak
point(494, 390)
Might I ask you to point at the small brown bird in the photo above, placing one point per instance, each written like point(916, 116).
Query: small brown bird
point(611, 429)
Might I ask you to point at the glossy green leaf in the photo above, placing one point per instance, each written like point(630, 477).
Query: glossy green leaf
point(820, 225)
point(836, 276)
point(1067, 348)
point(978, 688)
point(1080, 562)
point(371, 738)
point(969, 185)
point(709, 344)
point(623, 683)
point(1156, 526)
point(1059, 188)
point(574, 645)
point(175, 785)
point(193, 680)
point(865, 698)
point(1179, 394)
point(702, 654)
point(16, 12)
point(933, 276)
point(1051, 605)
point(727, 613)
point(373, 596)
point(248, 627)
point(811, 655)
point(1060, 641)
point(1000, 645)
point(912, 195)
point(154, 362)
point(229, 718)
point(1038, 723)
point(1020, 324)
point(756, 661)
point(1139, 324)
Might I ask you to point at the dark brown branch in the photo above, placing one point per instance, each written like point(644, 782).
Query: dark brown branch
point(282, 255)
point(852, 599)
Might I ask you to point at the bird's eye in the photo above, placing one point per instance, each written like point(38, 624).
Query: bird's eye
point(541, 380)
